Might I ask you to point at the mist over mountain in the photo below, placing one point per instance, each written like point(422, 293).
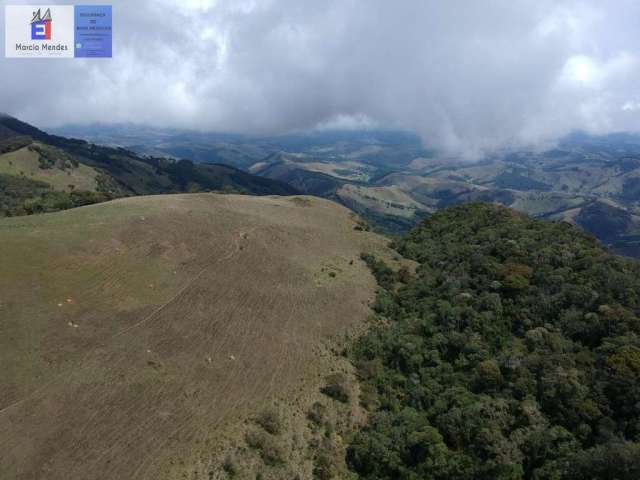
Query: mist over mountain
point(320, 240)
point(468, 77)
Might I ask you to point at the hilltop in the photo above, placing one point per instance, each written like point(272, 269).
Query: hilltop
point(197, 336)
point(135, 333)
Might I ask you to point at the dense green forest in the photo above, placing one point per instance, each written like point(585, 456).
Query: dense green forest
point(512, 353)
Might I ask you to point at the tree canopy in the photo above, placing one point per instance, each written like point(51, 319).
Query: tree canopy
point(512, 353)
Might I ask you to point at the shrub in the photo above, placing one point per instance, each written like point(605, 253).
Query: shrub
point(270, 450)
point(229, 465)
point(383, 274)
point(318, 414)
point(271, 420)
point(337, 387)
point(324, 467)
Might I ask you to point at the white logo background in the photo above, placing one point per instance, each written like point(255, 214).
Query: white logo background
point(18, 31)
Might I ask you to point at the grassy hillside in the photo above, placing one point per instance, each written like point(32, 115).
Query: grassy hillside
point(135, 333)
point(307, 181)
point(514, 353)
point(78, 173)
point(49, 165)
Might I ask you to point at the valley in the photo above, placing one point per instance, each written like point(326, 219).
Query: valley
point(42, 173)
point(390, 179)
point(335, 240)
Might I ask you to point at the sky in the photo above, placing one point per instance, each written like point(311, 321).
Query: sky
point(468, 76)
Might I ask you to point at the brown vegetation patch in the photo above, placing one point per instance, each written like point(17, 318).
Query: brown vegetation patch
point(188, 313)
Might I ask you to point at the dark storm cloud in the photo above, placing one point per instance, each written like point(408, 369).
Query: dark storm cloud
point(468, 76)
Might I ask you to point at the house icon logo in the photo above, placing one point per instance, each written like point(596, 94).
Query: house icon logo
point(41, 25)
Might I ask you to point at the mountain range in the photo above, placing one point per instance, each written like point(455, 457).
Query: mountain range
point(40, 172)
point(393, 181)
point(170, 328)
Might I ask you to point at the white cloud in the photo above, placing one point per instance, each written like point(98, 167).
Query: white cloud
point(582, 70)
point(348, 122)
point(467, 76)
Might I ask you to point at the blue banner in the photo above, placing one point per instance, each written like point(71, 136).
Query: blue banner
point(93, 31)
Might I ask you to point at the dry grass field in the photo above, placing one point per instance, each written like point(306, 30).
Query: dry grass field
point(24, 163)
point(388, 200)
point(133, 330)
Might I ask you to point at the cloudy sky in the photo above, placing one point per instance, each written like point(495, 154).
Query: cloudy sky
point(468, 76)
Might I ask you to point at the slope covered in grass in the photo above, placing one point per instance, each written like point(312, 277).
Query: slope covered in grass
point(132, 333)
point(80, 173)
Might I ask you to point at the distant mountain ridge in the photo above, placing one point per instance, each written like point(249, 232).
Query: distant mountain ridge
point(33, 164)
point(392, 180)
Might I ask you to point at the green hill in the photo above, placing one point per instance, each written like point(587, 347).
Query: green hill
point(514, 353)
point(41, 173)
